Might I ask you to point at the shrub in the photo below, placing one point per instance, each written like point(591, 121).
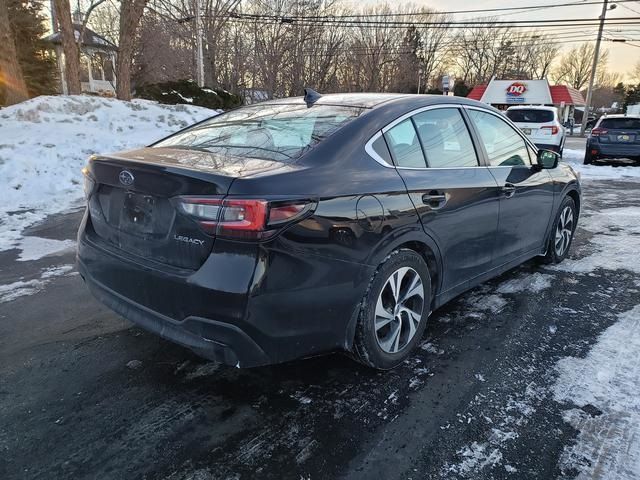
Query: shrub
point(189, 93)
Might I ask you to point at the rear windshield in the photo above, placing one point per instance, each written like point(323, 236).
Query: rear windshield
point(530, 116)
point(620, 123)
point(273, 132)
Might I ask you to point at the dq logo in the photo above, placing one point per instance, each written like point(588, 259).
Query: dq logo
point(516, 89)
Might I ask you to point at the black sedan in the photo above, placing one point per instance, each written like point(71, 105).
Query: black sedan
point(326, 223)
point(614, 137)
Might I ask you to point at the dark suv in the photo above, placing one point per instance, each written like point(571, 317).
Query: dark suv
point(614, 137)
point(325, 223)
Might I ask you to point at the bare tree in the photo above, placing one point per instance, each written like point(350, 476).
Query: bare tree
point(130, 14)
point(105, 20)
point(11, 78)
point(482, 51)
point(575, 66)
point(69, 47)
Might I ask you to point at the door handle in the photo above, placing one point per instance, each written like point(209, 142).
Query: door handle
point(509, 190)
point(434, 200)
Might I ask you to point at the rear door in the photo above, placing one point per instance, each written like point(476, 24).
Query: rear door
point(455, 197)
point(526, 192)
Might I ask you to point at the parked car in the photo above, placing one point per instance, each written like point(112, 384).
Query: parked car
point(301, 226)
point(614, 136)
point(541, 124)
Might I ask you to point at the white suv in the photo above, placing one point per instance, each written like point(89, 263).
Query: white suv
point(540, 124)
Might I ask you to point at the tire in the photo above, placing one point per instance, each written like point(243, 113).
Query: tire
point(561, 236)
point(588, 159)
point(399, 331)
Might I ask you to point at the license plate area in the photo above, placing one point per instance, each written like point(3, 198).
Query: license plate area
point(526, 131)
point(137, 213)
point(624, 138)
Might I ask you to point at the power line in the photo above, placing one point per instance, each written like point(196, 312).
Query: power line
point(631, 21)
point(454, 12)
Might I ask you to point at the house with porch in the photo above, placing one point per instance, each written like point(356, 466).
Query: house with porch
point(97, 61)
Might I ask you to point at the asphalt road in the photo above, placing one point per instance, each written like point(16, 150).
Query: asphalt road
point(83, 394)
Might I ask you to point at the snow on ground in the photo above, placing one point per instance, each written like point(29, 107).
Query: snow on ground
point(605, 390)
point(34, 248)
point(22, 288)
point(575, 158)
point(45, 142)
point(532, 283)
point(616, 241)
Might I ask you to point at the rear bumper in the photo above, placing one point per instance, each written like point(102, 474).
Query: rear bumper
point(549, 146)
point(613, 151)
point(216, 341)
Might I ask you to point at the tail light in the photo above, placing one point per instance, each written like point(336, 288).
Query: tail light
point(596, 132)
point(244, 219)
point(554, 129)
point(88, 183)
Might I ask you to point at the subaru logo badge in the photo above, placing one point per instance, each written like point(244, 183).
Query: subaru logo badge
point(126, 178)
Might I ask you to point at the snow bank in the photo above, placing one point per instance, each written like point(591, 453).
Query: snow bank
point(45, 142)
point(605, 387)
point(575, 158)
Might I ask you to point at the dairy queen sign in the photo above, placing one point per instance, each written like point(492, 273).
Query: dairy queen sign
point(515, 92)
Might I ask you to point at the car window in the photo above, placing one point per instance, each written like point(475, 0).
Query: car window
point(530, 116)
point(380, 147)
point(404, 145)
point(503, 144)
point(273, 132)
point(620, 123)
point(445, 138)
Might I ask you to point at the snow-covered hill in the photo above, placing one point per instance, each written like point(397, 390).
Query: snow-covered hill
point(45, 142)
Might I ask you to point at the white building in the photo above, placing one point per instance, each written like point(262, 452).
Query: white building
point(97, 61)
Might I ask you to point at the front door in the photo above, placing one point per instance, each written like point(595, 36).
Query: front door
point(526, 192)
point(456, 198)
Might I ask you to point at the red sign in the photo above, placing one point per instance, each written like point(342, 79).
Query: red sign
point(516, 89)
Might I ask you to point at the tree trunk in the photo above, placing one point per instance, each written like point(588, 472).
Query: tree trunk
point(69, 46)
point(11, 79)
point(130, 14)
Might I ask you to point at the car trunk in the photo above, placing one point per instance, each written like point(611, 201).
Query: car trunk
point(620, 136)
point(535, 130)
point(132, 211)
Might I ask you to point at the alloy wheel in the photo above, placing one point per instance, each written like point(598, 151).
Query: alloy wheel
point(564, 230)
point(399, 309)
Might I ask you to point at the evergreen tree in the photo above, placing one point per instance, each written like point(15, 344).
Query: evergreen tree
point(409, 63)
point(460, 88)
point(28, 28)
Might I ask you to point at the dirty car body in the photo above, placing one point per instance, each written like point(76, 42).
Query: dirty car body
point(261, 249)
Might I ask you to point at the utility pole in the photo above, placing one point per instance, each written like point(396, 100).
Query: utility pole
point(199, 55)
point(594, 67)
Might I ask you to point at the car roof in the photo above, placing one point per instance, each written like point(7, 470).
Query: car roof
point(532, 107)
point(620, 115)
point(373, 100)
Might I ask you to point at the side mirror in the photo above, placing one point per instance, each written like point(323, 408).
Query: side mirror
point(547, 159)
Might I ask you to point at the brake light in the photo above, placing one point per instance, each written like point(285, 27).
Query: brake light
point(554, 129)
point(88, 183)
point(239, 218)
point(596, 132)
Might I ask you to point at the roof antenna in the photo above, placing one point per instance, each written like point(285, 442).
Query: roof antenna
point(311, 96)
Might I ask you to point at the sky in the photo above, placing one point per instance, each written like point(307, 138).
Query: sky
point(622, 57)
